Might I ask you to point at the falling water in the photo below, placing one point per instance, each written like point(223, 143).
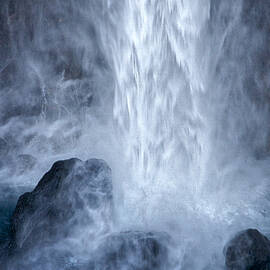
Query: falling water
point(187, 135)
point(157, 91)
point(183, 112)
point(190, 116)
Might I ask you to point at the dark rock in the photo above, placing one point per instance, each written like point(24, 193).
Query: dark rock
point(71, 196)
point(133, 251)
point(60, 203)
point(248, 250)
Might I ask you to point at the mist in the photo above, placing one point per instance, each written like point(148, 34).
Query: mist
point(173, 95)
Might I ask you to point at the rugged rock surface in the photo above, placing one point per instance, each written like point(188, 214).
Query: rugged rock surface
point(71, 195)
point(248, 250)
point(133, 250)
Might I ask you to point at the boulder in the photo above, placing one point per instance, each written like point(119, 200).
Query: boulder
point(73, 194)
point(133, 250)
point(72, 199)
point(248, 250)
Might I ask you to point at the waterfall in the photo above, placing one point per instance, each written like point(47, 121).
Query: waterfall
point(180, 110)
point(173, 94)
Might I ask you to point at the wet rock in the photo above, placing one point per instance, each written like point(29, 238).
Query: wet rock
point(248, 250)
point(134, 251)
point(60, 203)
point(69, 200)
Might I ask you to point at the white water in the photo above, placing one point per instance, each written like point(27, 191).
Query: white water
point(182, 128)
point(188, 142)
point(187, 125)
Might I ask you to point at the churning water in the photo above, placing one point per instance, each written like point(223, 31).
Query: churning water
point(192, 126)
point(191, 116)
point(174, 94)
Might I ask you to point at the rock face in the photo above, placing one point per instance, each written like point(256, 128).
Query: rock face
point(134, 251)
point(72, 199)
point(71, 194)
point(248, 250)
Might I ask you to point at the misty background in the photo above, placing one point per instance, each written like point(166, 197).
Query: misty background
point(173, 95)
